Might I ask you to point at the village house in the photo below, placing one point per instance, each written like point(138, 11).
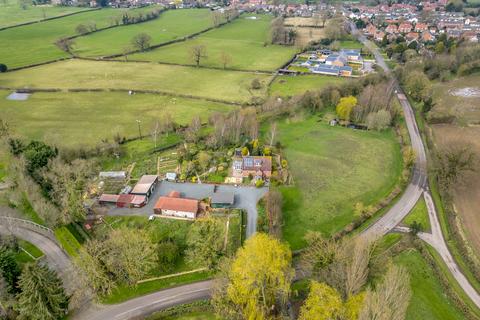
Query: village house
point(427, 37)
point(412, 36)
point(391, 28)
point(257, 167)
point(405, 27)
point(420, 27)
point(379, 35)
point(174, 206)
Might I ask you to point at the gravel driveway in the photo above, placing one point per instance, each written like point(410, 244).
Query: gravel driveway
point(246, 198)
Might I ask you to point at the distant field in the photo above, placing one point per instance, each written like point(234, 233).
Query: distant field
point(428, 300)
point(332, 167)
point(12, 14)
point(208, 83)
point(350, 44)
point(35, 43)
point(460, 98)
point(290, 85)
point(171, 25)
point(244, 40)
point(85, 118)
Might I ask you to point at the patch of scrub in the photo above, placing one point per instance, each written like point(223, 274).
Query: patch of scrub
point(467, 92)
point(18, 96)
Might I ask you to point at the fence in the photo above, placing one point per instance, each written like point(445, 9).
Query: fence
point(26, 224)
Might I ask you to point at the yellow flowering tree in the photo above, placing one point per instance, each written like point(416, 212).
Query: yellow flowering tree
point(345, 107)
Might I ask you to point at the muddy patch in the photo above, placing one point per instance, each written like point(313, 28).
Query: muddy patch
point(468, 92)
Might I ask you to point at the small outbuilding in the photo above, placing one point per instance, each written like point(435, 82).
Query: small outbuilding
point(222, 199)
point(145, 186)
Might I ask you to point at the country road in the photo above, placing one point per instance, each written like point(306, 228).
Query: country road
point(418, 187)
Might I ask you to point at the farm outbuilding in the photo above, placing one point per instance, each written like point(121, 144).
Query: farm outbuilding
point(174, 206)
point(222, 199)
point(145, 186)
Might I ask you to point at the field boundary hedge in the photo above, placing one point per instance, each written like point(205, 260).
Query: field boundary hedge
point(48, 19)
point(178, 65)
point(39, 64)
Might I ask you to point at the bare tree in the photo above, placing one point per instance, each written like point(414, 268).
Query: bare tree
point(274, 213)
point(453, 163)
point(197, 53)
point(65, 44)
point(217, 18)
point(391, 297)
point(225, 59)
point(141, 41)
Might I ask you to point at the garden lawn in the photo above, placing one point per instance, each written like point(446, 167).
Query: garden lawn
point(350, 44)
point(428, 300)
point(245, 40)
point(333, 168)
point(35, 43)
point(171, 25)
point(72, 119)
point(293, 85)
point(205, 83)
point(12, 14)
point(419, 214)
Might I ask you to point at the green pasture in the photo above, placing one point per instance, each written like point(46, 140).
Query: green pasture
point(428, 301)
point(293, 85)
point(96, 75)
point(11, 13)
point(72, 119)
point(171, 25)
point(333, 168)
point(245, 41)
point(35, 43)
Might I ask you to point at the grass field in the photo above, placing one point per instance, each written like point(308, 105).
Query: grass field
point(244, 40)
point(428, 300)
point(171, 25)
point(420, 215)
point(207, 83)
point(290, 86)
point(35, 43)
point(12, 14)
point(70, 119)
point(333, 168)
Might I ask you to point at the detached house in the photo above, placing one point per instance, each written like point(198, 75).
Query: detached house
point(405, 27)
point(391, 28)
point(421, 27)
point(255, 166)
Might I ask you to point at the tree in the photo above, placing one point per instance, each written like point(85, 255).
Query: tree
point(3, 68)
point(167, 254)
point(391, 297)
point(225, 59)
point(41, 294)
point(65, 44)
point(141, 41)
point(260, 276)
point(453, 163)
point(67, 184)
point(37, 154)
point(323, 303)
point(10, 271)
point(440, 47)
point(256, 84)
point(274, 213)
point(197, 53)
point(418, 86)
point(131, 254)
point(81, 29)
point(205, 242)
point(272, 132)
point(204, 159)
point(345, 107)
point(90, 261)
point(379, 121)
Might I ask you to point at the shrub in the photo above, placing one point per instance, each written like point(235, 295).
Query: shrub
point(3, 67)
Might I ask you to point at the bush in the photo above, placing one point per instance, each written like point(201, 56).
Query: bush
point(256, 84)
point(167, 253)
point(3, 67)
point(259, 183)
point(380, 120)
